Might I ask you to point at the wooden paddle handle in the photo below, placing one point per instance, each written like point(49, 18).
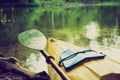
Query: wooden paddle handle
point(50, 60)
point(58, 70)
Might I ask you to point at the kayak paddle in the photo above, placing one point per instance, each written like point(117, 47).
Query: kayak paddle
point(34, 39)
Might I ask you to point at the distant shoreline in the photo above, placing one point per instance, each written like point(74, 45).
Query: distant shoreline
point(17, 5)
point(58, 4)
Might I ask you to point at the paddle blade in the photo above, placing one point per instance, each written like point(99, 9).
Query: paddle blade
point(33, 39)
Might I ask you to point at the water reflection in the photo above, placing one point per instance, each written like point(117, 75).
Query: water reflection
point(92, 32)
point(92, 27)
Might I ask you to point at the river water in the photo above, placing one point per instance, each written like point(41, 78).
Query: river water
point(93, 27)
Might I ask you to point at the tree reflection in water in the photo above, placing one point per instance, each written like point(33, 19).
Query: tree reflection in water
point(67, 24)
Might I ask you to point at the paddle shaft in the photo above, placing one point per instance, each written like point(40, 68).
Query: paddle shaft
point(54, 65)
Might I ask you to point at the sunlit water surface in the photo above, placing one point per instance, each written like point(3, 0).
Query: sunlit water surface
point(95, 28)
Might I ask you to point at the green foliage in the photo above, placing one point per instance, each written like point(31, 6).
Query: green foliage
point(37, 1)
